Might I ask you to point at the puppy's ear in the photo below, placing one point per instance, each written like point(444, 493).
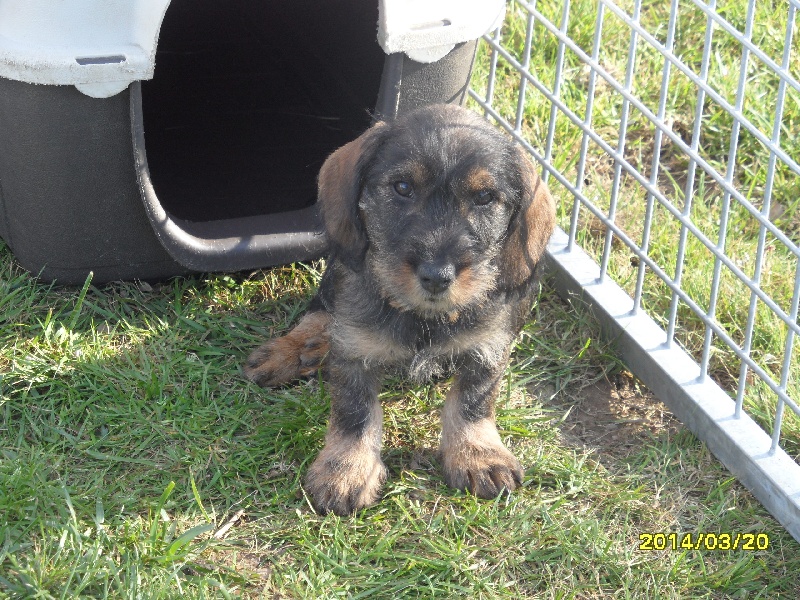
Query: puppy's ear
point(340, 182)
point(530, 228)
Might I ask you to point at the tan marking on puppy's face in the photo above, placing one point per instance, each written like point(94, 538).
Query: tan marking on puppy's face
point(479, 179)
point(470, 286)
point(401, 286)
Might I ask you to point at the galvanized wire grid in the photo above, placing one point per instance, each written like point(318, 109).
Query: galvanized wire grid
point(668, 202)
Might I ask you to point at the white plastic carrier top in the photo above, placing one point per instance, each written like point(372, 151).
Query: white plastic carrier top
point(101, 46)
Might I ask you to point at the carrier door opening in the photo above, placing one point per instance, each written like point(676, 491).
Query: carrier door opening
point(249, 98)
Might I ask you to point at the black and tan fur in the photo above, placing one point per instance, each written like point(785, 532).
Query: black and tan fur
point(436, 223)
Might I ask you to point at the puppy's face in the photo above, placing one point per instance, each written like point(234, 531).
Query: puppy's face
point(437, 201)
point(440, 207)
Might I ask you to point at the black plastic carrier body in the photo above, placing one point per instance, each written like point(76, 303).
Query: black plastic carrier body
point(211, 165)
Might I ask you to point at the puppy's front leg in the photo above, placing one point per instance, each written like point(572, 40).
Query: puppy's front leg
point(348, 473)
point(473, 455)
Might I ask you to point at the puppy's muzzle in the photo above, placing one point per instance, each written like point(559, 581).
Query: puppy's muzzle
point(435, 277)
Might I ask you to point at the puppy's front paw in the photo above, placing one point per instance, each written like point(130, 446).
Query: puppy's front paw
point(297, 354)
point(343, 480)
point(484, 470)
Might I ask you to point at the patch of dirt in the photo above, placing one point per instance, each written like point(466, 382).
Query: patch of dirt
point(253, 568)
point(614, 417)
point(255, 564)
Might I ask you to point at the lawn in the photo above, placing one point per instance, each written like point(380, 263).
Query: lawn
point(136, 462)
point(129, 439)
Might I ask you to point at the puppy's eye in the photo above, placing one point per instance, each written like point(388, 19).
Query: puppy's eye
point(484, 197)
point(404, 188)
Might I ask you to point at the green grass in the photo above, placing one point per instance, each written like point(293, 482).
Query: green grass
point(128, 438)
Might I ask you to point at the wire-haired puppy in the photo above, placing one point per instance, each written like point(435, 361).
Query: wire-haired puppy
point(436, 223)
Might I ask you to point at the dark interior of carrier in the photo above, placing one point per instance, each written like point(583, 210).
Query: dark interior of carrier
point(250, 97)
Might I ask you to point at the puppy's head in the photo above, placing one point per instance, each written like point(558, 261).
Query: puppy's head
point(439, 206)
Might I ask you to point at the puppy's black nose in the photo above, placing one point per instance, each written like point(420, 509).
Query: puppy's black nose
point(436, 277)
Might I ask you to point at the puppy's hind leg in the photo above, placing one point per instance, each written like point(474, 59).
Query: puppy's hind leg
point(297, 354)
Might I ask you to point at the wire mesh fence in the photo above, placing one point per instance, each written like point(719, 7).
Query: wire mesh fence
point(670, 134)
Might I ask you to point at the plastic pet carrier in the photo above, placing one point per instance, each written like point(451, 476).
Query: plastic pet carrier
point(150, 138)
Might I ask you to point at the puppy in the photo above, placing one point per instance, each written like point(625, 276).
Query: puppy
point(436, 224)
